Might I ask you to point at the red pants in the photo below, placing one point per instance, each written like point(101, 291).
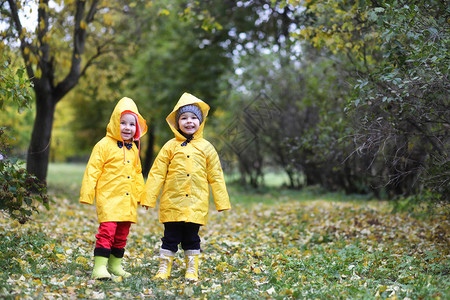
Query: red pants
point(112, 235)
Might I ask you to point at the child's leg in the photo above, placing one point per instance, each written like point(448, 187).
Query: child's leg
point(172, 236)
point(105, 235)
point(102, 249)
point(120, 238)
point(190, 239)
point(118, 249)
point(191, 246)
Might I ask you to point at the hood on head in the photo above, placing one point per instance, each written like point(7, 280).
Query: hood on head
point(187, 99)
point(125, 105)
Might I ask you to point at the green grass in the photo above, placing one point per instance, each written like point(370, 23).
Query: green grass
point(271, 179)
point(273, 244)
point(65, 178)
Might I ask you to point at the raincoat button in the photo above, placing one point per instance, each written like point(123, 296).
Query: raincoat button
point(187, 195)
point(188, 156)
point(127, 194)
point(187, 174)
point(128, 161)
point(128, 176)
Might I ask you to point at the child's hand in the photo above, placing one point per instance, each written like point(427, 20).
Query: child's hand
point(146, 207)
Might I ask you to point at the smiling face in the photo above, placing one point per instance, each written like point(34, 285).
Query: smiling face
point(188, 123)
point(127, 127)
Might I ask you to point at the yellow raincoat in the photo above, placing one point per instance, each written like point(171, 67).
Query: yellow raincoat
point(186, 173)
point(114, 175)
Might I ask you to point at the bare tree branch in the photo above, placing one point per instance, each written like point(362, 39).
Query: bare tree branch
point(90, 61)
point(45, 61)
point(23, 42)
point(79, 39)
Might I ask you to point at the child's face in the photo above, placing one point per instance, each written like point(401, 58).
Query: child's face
point(127, 127)
point(188, 123)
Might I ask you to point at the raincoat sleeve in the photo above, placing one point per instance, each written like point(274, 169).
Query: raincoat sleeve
point(140, 184)
point(156, 177)
point(217, 180)
point(92, 173)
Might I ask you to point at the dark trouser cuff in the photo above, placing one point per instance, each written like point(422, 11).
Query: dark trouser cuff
point(99, 251)
point(118, 252)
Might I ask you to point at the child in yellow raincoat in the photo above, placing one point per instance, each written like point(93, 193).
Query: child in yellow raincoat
point(186, 166)
point(113, 176)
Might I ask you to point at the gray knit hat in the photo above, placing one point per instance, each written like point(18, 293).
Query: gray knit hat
point(193, 108)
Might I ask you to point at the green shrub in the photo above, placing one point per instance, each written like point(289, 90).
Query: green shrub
point(20, 192)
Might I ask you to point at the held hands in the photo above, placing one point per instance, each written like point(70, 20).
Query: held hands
point(146, 207)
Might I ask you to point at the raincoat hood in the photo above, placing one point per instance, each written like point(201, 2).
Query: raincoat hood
point(187, 99)
point(125, 105)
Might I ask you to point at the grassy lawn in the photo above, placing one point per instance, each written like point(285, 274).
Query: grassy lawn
point(273, 244)
point(65, 178)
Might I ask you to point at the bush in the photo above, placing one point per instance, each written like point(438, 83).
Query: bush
point(20, 192)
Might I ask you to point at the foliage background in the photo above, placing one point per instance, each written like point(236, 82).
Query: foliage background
point(360, 88)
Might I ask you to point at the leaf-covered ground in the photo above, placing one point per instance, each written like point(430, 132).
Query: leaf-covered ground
point(289, 248)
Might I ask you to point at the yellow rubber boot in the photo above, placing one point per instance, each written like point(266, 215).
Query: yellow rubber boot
point(115, 267)
point(165, 264)
point(192, 261)
point(100, 271)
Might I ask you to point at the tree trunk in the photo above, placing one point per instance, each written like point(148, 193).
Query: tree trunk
point(39, 150)
point(48, 92)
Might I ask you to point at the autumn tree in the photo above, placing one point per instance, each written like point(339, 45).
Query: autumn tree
point(405, 99)
point(190, 47)
point(70, 36)
point(397, 59)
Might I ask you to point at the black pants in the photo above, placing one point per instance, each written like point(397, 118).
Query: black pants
point(181, 232)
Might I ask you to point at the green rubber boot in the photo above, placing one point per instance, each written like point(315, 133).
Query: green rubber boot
point(100, 271)
point(115, 267)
